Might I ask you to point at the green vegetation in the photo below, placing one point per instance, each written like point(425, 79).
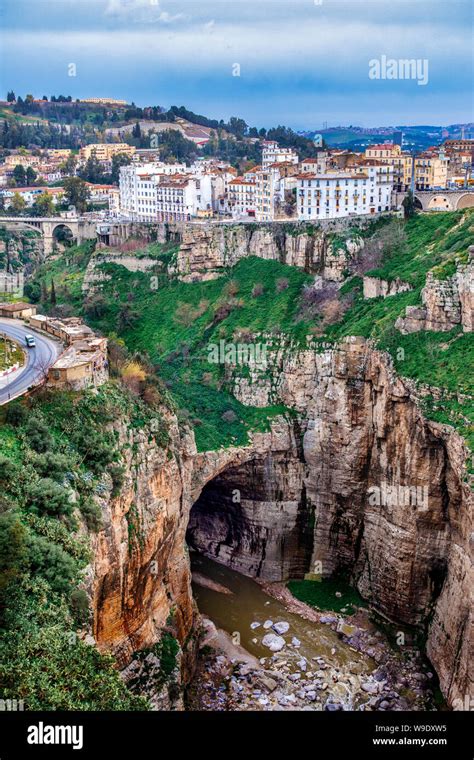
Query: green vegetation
point(10, 353)
point(172, 323)
point(176, 323)
point(150, 676)
point(57, 450)
point(324, 595)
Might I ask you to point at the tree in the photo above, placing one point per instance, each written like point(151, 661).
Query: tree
point(19, 175)
point(30, 175)
point(11, 97)
point(53, 294)
point(17, 204)
point(93, 170)
point(76, 193)
point(136, 131)
point(69, 165)
point(44, 205)
point(408, 204)
point(237, 126)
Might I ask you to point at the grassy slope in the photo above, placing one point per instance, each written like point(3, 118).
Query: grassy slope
point(180, 350)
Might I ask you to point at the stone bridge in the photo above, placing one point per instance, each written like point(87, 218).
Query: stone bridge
point(440, 200)
point(81, 229)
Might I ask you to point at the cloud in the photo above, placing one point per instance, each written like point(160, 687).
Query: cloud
point(141, 11)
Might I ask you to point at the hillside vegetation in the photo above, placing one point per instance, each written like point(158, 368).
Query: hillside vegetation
point(171, 324)
point(56, 454)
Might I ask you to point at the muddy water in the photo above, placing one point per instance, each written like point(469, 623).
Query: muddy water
point(248, 603)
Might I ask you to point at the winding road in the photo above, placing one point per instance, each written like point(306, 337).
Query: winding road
point(38, 359)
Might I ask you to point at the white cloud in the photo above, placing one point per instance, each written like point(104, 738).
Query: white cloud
point(140, 11)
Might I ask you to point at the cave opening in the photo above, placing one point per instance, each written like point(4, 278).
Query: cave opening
point(256, 519)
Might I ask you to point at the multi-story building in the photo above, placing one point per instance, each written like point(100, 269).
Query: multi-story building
point(31, 194)
point(392, 155)
point(272, 154)
point(318, 165)
point(340, 194)
point(383, 150)
point(20, 159)
point(161, 192)
point(179, 197)
point(242, 197)
point(105, 151)
point(267, 193)
point(104, 101)
point(431, 171)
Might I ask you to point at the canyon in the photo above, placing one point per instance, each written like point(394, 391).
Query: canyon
point(296, 498)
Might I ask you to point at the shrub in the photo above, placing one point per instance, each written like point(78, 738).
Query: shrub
point(15, 414)
point(232, 288)
point(53, 464)
point(46, 497)
point(52, 563)
point(38, 434)
point(96, 447)
point(117, 473)
point(9, 471)
point(79, 602)
point(282, 284)
point(91, 513)
point(133, 376)
point(229, 416)
point(13, 550)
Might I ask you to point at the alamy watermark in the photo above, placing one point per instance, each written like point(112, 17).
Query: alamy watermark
point(399, 68)
point(237, 353)
point(398, 496)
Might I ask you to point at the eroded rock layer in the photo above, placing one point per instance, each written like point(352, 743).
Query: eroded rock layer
point(358, 483)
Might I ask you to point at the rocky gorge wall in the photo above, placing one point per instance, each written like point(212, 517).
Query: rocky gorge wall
point(204, 251)
point(358, 483)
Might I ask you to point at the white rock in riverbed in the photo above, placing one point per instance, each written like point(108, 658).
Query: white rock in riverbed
point(254, 626)
point(281, 627)
point(296, 642)
point(273, 642)
point(268, 624)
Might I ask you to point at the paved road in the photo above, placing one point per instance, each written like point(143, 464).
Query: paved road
point(38, 359)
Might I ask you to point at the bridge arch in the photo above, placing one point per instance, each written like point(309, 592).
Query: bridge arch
point(466, 200)
point(62, 232)
point(438, 202)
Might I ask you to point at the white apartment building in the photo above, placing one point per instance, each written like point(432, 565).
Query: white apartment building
point(242, 197)
point(273, 154)
point(163, 192)
point(267, 191)
point(339, 194)
point(179, 197)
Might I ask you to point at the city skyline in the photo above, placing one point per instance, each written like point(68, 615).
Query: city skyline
point(256, 62)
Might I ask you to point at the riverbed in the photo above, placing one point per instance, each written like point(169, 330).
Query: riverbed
point(314, 666)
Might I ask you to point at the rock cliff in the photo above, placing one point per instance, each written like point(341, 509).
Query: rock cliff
point(358, 482)
point(205, 251)
point(446, 304)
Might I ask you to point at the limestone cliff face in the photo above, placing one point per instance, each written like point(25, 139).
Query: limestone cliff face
point(205, 250)
point(446, 303)
point(391, 507)
point(359, 482)
point(140, 575)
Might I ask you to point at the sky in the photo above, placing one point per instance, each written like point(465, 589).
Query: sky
point(300, 63)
